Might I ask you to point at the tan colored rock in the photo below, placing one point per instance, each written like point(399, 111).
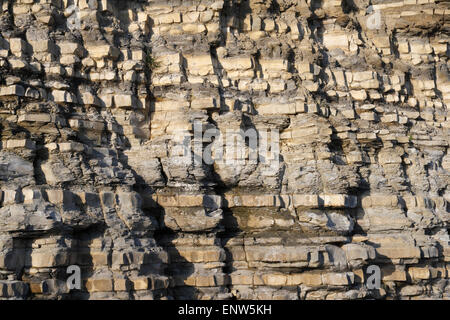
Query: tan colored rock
point(99, 285)
point(141, 284)
point(35, 117)
point(236, 63)
point(309, 201)
point(17, 46)
point(338, 279)
point(332, 41)
point(274, 279)
point(125, 101)
point(101, 51)
point(14, 90)
point(204, 103)
point(61, 96)
point(200, 65)
point(174, 17)
point(418, 273)
point(288, 108)
point(309, 279)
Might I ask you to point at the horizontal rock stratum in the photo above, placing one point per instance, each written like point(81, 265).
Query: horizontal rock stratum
point(115, 157)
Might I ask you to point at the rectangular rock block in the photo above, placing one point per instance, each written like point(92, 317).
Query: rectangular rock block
point(333, 40)
point(71, 48)
point(236, 63)
point(102, 51)
point(143, 283)
point(204, 103)
point(338, 201)
point(62, 96)
point(17, 46)
point(14, 90)
point(338, 279)
point(305, 200)
point(126, 101)
point(35, 117)
point(310, 279)
point(43, 46)
point(398, 252)
point(286, 108)
point(122, 285)
point(200, 65)
point(393, 273)
point(21, 143)
point(274, 64)
point(257, 200)
point(99, 285)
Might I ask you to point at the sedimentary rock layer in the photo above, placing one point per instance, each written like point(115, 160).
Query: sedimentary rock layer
point(100, 101)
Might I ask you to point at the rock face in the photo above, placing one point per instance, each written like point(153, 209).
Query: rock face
point(100, 103)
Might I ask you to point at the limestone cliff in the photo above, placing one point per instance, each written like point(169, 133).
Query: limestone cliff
point(98, 96)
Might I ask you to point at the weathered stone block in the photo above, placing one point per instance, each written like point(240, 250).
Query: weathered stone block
point(35, 117)
point(303, 200)
point(71, 48)
point(338, 201)
point(17, 46)
point(44, 46)
point(174, 17)
point(21, 143)
point(99, 285)
point(200, 65)
point(14, 90)
point(204, 103)
point(236, 63)
point(61, 96)
point(332, 41)
point(101, 51)
point(125, 101)
point(287, 108)
point(338, 279)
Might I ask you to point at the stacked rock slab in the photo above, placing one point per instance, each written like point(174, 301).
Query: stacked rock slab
point(97, 96)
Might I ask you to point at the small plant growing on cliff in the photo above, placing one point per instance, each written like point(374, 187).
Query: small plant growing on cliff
point(151, 62)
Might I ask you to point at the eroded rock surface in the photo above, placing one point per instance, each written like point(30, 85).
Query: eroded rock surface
point(97, 96)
